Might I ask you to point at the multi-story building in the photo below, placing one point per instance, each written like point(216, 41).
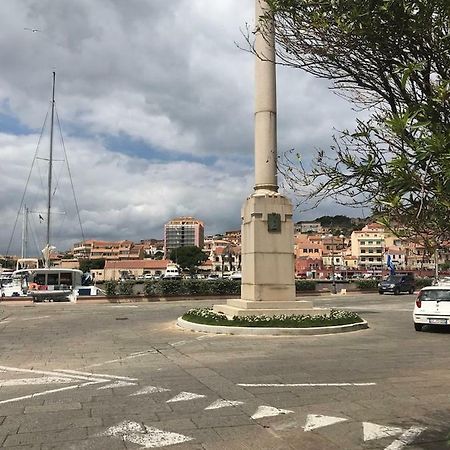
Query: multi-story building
point(119, 250)
point(183, 232)
point(368, 246)
point(308, 227)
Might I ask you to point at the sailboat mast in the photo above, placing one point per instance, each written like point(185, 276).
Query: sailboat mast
point(25, 232)
point(50, 167)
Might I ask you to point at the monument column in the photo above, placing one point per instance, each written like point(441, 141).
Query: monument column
point(268, 282)
point(265, 102)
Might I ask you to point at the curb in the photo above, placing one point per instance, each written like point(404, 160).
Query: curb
point(262, 331)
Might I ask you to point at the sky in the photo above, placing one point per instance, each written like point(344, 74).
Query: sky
point(155, 104)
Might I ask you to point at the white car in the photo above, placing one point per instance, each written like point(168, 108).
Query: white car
point(432, 306)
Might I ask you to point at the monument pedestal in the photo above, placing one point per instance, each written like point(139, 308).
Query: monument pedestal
point(268, 281)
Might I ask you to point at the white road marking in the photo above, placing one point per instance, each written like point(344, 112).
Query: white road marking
point(373, 431)
point(34, 381)
point(303, 384)
point(36, 318)
point(123, 306)
point(150, 390)
point(39, 394)
point(314, 421)
point(103, 375)
point(406, 438)
point(133, 355)
point(147, 437)
point(117, 384)
point(185, 396)
point(223, 404)
point(55, 373)
point(269, 411)
point(179, 343)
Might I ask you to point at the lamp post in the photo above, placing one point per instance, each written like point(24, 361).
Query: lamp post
point(343, 256)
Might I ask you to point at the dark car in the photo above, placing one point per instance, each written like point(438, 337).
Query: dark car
point(397, 284)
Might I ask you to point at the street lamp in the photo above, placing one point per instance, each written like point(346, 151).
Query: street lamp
point(343, 256)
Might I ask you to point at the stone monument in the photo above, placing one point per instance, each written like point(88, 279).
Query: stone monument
point(268, 279)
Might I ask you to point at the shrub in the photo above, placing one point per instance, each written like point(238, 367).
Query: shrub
point(422, 282)
point(305, 285)
point(126, 288)
point(111, 288)
point(367, 285)
point(192, 287)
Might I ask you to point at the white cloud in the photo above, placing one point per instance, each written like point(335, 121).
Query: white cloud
point(162, 74)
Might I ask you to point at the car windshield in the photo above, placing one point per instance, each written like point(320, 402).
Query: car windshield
point(393, 279)
point(435, 295)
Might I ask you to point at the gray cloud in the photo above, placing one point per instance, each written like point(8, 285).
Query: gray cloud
point(166, 74)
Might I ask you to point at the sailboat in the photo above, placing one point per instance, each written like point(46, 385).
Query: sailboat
point(48, 283)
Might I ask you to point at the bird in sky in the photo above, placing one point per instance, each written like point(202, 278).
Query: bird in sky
point(34, 30)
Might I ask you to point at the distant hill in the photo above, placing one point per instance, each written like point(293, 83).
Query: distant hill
point(342, 224)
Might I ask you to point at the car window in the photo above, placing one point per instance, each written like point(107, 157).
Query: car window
point(435, 295)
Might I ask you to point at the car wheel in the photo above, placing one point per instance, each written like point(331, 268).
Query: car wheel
point(418, 326)
point(381, 292)
point(396, 291)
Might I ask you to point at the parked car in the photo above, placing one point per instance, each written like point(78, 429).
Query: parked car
point(397, 284)
point(213, 276)
point(236, 276)
point(432, 306)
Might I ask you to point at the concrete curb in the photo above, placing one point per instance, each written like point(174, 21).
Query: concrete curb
point(261, 331)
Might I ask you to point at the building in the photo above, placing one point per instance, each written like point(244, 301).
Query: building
point(120, 250)
point(308, 227)
point(183, 232)
point(368, 246)
point(114, 270)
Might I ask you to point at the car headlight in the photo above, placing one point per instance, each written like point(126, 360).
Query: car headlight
point(392, 285)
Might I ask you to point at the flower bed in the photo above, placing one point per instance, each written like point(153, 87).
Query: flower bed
point(206, 316)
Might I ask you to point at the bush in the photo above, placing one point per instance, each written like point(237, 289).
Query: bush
point(111, 288)
point(422, 282)
point(305, 285)
point(192, 287)
point(208, 317)
point(367, 285)
point(126, 288)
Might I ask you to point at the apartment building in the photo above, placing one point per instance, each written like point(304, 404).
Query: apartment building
point(368, 246)
point(119, 250)
point(183, 232)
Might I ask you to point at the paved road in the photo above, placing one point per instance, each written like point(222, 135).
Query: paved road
point(123, 376)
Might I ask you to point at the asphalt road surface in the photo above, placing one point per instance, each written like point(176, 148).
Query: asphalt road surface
point(77, 376)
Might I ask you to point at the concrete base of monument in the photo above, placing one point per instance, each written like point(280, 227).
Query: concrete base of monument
point(239, 307)
point(268, 331)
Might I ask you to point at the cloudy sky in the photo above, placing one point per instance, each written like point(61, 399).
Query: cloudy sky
point(155, 102)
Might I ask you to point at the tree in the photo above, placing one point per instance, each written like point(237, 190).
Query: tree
point(91, 264)
point(189, 257)
point(390, 58)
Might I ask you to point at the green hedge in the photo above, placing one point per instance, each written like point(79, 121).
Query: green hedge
point(367, 285)
point(111, 288)
point(167, 288)
point(422, 282)
point(305, 285)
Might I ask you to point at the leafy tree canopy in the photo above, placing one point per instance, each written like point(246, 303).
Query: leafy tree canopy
point(392, 59)
point(91, 264)
point(189, 257)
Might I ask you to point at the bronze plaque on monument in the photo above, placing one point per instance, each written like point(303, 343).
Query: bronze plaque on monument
point(274, 223)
